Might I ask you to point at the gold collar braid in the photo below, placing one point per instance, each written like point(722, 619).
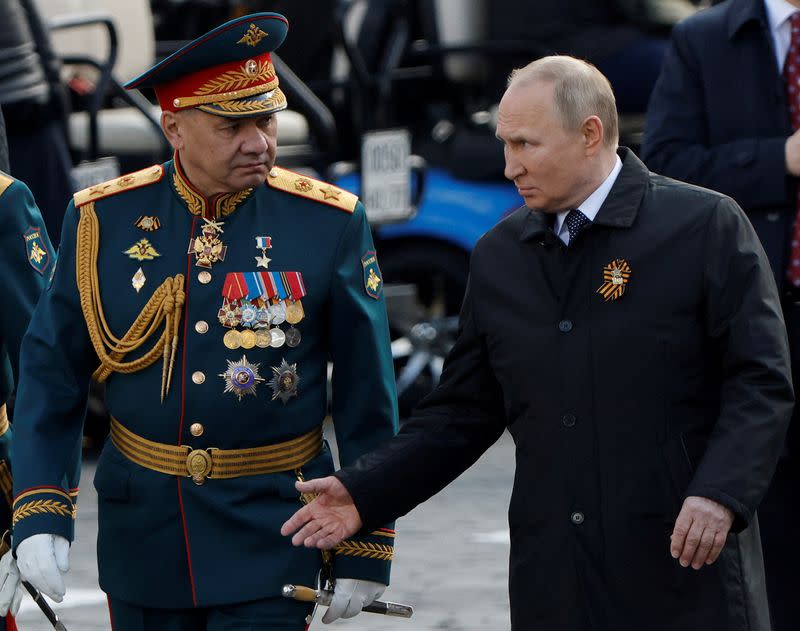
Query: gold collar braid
point(165, 305)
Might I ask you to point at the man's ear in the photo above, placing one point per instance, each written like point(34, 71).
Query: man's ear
point(592, 130)
point(173, 128)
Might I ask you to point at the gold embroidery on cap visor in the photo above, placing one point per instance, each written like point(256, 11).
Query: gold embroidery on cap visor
point(267, 103)
point(616, 275)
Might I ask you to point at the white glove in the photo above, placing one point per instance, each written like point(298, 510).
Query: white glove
point(350, 596)
point(43, 560)
point(11, 589)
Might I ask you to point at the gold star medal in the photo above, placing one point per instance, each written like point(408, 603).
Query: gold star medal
point(142, 250)
point(263, 244)
point(284, 381)
point(241, 378)
point(615, 276)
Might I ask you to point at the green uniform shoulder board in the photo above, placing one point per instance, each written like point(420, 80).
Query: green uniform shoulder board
point(304, 186)
point(137, 179)
point(5, 182)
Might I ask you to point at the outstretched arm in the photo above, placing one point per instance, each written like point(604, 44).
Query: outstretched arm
point(328, 519)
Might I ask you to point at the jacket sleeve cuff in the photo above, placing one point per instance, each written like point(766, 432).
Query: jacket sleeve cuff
point(48, 510)
point(366, 556)
point(741, 513)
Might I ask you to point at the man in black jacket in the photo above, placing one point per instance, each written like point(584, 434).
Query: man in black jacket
point(720, 117)
point(626, 329)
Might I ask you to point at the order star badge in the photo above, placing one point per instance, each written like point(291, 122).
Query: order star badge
point(284, 381)
point(242, 377)
point(616, 275)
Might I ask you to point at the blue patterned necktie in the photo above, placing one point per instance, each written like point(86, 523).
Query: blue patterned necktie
point(576, 221)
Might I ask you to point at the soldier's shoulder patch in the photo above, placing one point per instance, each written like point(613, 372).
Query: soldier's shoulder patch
point(137, 179)
point(310, 188)
point(38, 251)
point(373, 281)
point(5, 182)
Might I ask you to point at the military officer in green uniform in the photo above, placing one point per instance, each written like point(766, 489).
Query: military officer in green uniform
point(209, 293)
point(26, 262)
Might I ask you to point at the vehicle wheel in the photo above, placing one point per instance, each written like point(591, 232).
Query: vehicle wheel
point(424, 284)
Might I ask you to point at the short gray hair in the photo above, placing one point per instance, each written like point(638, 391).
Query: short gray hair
point(579, 90)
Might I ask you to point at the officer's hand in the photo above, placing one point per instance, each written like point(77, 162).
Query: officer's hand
point(350, 596)
point(700, 531)
point(43, 560)
point(11, 589)
point(324, 522)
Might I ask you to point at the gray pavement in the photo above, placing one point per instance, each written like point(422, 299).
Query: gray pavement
point(451, 560)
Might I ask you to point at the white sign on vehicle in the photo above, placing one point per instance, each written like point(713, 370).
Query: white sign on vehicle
point(385, 175)
point(88, 174)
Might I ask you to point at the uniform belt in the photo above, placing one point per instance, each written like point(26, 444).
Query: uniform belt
point(200, 464)
point(3, 419)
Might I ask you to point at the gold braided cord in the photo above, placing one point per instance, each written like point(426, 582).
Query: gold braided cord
point(164, 306)
point(348, 547)
point(41, 507)
point(278, 100)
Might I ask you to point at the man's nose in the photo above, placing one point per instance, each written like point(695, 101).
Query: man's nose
point(513, 168)
point(255, 140)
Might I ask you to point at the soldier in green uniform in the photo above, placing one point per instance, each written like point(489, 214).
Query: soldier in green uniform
point(26, 262)
point(209, 293)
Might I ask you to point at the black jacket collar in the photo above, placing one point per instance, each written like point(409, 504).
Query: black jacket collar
point(618, 210)
point(742, 12)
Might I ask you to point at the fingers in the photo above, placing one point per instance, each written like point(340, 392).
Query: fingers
point(342, 593)
point(311, 486)
point(296, 521)
point(37, 565)
point(700, 532)
point(61, 549)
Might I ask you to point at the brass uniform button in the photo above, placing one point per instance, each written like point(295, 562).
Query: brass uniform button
point(201, 326)
point(196, 429)
point(204, 277)
point(198, 377)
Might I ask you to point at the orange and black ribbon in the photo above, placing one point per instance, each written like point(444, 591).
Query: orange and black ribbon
point(615, 276)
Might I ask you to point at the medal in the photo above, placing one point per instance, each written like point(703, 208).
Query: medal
point(147, 223)
point(263, 244)
point(277, 313)
point(232, 339)
point(294, 312)
point(249, 315)
point(293, 337)
point(230, 314)
point(208, 249)
point(263, 338)
point(248, 339)
point(284, 381)
point(242, 377)
point(615, 276)
point(278, 338)
point(138, 280)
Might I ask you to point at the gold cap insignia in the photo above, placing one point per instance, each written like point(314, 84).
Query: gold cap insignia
point(252, 36)
point(615, 276)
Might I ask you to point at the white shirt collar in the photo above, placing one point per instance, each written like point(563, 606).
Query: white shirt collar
point(778, 14)
point(592, 205)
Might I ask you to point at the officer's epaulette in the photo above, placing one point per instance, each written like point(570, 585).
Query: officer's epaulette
point(137, 179)
point(304, 186)
point(5, 182)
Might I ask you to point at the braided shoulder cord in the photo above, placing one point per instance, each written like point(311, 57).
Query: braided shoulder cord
point(165, 305)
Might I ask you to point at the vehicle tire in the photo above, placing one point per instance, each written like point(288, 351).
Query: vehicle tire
point(424, 283)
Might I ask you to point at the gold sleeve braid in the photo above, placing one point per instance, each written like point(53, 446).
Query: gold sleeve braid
point(164, 306)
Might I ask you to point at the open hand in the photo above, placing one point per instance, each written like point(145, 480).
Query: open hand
point(324, 522)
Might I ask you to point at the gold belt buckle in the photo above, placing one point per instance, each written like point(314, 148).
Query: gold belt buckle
point(198, 464)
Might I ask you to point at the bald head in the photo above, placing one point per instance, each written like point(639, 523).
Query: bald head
point(579, 91)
